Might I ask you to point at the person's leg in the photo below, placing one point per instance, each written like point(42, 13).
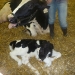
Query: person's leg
point(52, 12)
point(62, 14)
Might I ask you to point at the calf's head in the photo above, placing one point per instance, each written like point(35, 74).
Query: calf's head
point(45, 50)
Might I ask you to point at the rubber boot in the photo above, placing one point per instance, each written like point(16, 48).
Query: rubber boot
point(64, 32)
point(51, 26)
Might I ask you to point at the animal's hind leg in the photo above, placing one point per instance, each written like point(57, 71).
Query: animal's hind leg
point(14, 56)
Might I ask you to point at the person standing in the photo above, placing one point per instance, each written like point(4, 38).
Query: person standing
point(61, 7)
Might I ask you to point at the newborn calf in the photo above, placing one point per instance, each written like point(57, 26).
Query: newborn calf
point(42, 50)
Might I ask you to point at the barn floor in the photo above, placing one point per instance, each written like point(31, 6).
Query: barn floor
point(65, 65)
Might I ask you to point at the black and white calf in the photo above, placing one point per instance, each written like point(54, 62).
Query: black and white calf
point(26, 12)
point(42, 50)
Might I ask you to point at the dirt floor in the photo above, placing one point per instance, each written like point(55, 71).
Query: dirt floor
point(65, 65)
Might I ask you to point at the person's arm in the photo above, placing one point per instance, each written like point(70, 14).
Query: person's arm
point(48, 1)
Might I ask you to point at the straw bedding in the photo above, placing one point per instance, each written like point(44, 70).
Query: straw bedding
point(65, 65)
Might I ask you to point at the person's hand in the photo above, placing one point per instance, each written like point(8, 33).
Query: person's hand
point(48, 1)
